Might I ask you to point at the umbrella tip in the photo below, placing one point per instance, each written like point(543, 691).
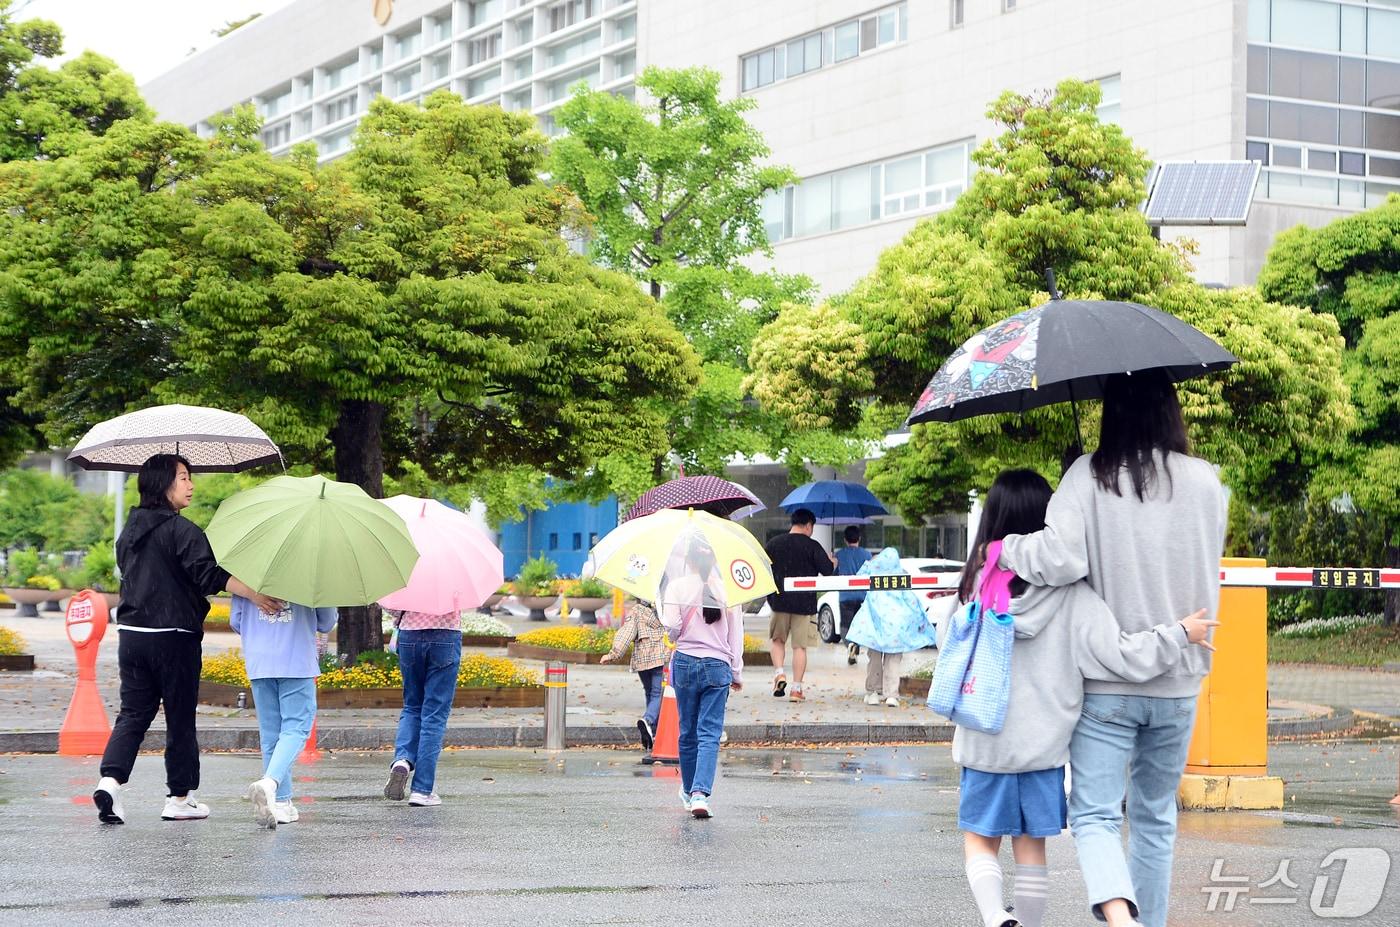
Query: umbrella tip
point(1050, 282)
point(323, 489)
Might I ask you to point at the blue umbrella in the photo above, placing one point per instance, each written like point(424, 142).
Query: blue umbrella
point(835, 502)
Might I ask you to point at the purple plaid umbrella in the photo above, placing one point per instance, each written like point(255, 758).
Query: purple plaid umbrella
point(706, 493)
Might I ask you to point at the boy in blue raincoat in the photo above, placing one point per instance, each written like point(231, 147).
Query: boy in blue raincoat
point(888, 625)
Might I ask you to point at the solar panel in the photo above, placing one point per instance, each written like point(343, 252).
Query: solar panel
point(1201, 192)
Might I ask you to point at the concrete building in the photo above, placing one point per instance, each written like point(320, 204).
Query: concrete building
point(876, 106)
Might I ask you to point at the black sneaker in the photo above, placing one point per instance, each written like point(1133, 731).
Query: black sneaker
point(645, 731)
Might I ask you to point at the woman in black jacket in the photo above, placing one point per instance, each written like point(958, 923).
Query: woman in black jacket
point(168, 571)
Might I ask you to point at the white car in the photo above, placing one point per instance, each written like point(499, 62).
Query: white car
point(829, 624)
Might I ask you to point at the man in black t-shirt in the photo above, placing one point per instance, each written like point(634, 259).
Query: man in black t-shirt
point(794, 613)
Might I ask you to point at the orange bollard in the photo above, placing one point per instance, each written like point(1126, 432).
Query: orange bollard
point(85, 727)
point(666, 748)
point(311, 752)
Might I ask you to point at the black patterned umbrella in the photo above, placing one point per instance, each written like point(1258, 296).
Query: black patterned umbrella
point(706, 493)
point(1062, 351)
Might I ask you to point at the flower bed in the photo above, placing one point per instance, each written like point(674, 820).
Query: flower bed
point(218, 618)
point(480, 630)
point(12, 652)
point(482, 682)
point(916, 684)
point(569, 644)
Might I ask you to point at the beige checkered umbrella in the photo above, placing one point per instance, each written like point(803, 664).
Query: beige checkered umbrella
point(212, 440)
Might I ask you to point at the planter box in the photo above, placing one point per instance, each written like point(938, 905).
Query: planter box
point(758, 658)
point(913, 688)
point(487, 640)
point(213, 693)
point(531, 652)
point(19, 663)
point(27, 601)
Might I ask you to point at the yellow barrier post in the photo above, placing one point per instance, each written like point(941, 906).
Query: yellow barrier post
point(1227, 763)
point(617, 608)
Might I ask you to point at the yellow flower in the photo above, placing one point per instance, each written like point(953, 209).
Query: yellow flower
point(226, 668)
point(11, 644)
point(578, 639)
point(218, 613)
point(754, 644)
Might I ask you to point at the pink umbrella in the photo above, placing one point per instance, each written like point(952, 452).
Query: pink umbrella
point(458, 566)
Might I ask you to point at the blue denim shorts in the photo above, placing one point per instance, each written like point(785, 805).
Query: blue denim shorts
point(1030, 804)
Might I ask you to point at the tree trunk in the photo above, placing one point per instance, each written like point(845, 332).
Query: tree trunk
point(359, 459)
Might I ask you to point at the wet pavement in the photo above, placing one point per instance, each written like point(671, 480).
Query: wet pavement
point(824, 836)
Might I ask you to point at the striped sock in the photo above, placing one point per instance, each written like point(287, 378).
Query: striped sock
point(1032, 894)
point(984, 876)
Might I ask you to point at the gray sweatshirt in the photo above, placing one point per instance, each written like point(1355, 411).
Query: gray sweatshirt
point(1152, 561)
point(1064, 636)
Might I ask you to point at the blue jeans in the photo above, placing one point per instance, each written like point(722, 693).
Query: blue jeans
point(286, 709)
point(429, 661)
point(702, 689)
point(653, 681)
point(1135, 744)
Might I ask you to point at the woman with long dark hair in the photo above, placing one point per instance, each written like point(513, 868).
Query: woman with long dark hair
point(1144, 523)
point(168, 571)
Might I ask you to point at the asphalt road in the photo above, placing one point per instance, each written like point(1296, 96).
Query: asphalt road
point(810, 837)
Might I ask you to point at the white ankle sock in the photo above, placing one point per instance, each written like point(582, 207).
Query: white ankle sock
point(1032, 894)
point(984, 877)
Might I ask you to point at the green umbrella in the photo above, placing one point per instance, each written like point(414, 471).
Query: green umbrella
point(313, 541)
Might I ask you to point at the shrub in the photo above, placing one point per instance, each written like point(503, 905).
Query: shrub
point(506, 588)
point(585, 588)
point(479, 625)
point(580, 640)
point(99, 570)
point(754, 644)
point(1328, 627)
point(924, 672)
point(44, 581)
point(226, 668)
point(11, 643)
point(21, 565)
point(537, 578)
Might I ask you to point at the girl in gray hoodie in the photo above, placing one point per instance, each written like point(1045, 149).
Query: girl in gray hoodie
point(1013, 782)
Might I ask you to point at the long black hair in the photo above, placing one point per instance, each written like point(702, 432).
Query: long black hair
point(155, 478)
point(1141, 416)
point(1015, 504)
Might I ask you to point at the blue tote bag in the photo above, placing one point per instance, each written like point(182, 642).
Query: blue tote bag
point(972, 679)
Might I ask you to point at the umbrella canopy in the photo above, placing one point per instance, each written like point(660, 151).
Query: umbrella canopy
point(1059, 352)
point(835, 502)
point(211, 439)
point(706, 493)
point(458, 566)
point(313, 541)
point(636, 556)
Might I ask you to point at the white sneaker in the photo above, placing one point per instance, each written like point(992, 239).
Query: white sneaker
point(108, 801)
point(184, 809)
point(286, 812)
point(892, 702)
point(397, 785)
point(700, 805)
point(685, 799)
point(263, 795)
point(871, 698)
point(419, 800)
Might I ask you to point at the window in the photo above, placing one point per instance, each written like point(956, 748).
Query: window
point(851, 202)
point(525, 32)
point(521, 68)
point(277, 104)
point(375, 59)
point(406, 44)
point(440, 27)
point(484, 83)
point(1110, 90)
point(1008, 5)
point(338, 109)
point(484, 11)
point(903, 185)
point(302, 122)
point(1302, 75)
point(577, 47)
point(440, 66)
point(559, 88)
point(338, 75)
point(840, 42)
point(578, 540)
point(570, 12)
point(1257, 151)
point(278, 135)
point(484, 48)
point(625, 29)
point(518, 101)
point(553, 540)
point(623, 65)
point(955, 14)
point(406, 81)
point(336, 141)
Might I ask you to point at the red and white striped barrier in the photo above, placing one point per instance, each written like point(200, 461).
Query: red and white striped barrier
point(1353, 578)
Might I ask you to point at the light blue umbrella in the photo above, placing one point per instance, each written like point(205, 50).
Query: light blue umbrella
point(835, 502)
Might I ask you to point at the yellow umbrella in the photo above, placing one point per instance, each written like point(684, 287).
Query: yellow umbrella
point(638, 555)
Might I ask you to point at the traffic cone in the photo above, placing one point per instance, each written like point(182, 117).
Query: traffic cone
point(310, 753)
point(666, 746)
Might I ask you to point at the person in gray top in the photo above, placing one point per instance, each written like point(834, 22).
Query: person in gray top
point(1013, 781)
point(1144, 523)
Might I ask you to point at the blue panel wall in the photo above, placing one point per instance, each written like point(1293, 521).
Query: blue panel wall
point(563, 532)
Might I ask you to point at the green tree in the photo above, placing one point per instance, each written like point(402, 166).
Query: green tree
point(1350, 270)
point(413, 301)
point(48, 513)
point(673, 189)
point(1057, 189)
